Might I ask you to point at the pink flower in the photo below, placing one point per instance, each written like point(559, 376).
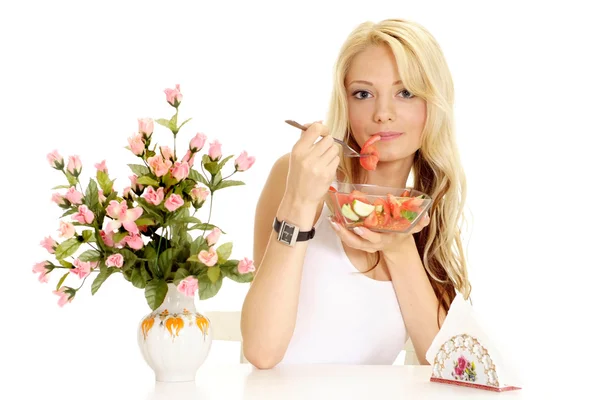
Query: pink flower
point(154, 196)
point(214, 151)
point(208, 258)
point(199, 193)
point(115, 260)
point(84, 215)
point(174, 96)
point(197, 142)
point(126, 192)
point(213, 237)
point(243, 162)
point(42, 270)
point(134, 184)
point(180, 170)
point(159, 165)
point(173, 202)
point(49, 244)
point(188, 286)
point(245, 266)
point(462, 363)
point(58, 199)
point(458, 371)
point(145, 126)
point(73, 195)
point(123, 216)
point(167, 153)
point(136, 144)
point(64, 297)
point(55, 160)
point(189, 158)
point(66, 229)
point(134, 241)
point(107, 238)
point(74, 166)
point(101, 196)
point(101, 166)
point(82, 268)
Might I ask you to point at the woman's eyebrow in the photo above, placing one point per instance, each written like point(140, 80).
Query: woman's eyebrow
point(371, 84)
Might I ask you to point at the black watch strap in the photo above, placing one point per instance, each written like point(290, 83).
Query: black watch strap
point(290, 234)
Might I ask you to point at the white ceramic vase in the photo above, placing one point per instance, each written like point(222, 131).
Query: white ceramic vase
point(175, 339)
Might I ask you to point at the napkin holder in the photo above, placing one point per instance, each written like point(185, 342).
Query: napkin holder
point(462, 354)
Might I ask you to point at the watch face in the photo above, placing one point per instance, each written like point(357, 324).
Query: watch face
point(287, 233)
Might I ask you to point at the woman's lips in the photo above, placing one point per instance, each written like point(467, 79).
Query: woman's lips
point(389, 135)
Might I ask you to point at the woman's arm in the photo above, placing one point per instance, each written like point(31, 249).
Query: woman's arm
point(416, 297)
point(270, 308)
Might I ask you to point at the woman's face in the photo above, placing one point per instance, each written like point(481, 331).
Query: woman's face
point(378, 103)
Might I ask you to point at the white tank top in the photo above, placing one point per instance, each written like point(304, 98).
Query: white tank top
point(343, 316)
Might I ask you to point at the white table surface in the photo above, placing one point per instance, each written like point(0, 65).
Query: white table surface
point(243, 381)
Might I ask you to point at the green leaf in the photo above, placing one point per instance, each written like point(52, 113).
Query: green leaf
point(144, 221)
point(213, 273)
point(91, 196)
point(224, 161)
point(207, 227)
point(181, 274)
point(72, 180)
point(90, 255)
point(224, 251)
point(139, 170)
point(62, 279)
point(208, 289)
point(129, 258)
point(173, 123)
point(147, 277)
point(88, 235)
point(69, 212)
point(233, 274)
point(137, 279)
point(197, 176)
point(227, 183)
point(189, 220)
point(165, 260)
point(182, 124)
point(150, 209)
point(155, 292)
point(67, 248)
point(117, 237)
point(61, 187)
point(147, 181)
point(212, 167)
point(102, 276)
point(104, 181)
point(150, 255)
point(65, 264)
point(216, 180)
point(164, 122)
point(196, 246)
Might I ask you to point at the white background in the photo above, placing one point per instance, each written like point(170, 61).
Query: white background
point(76, 76)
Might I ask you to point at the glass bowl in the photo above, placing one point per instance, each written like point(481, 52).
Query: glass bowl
point(378, 208)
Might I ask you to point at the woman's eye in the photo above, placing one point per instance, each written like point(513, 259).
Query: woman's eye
point(406, 94)
point(361, 94)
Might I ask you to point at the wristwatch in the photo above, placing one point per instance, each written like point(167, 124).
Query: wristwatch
point(289, 234)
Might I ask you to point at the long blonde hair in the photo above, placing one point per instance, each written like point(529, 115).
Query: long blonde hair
point(437, 168)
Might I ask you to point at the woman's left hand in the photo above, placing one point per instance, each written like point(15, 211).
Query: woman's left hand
point(365, 239)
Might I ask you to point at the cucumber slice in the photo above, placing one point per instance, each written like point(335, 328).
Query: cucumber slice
point(348, 213)
point(362, 209)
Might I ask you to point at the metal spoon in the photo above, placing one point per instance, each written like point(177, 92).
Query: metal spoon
point(348, 151)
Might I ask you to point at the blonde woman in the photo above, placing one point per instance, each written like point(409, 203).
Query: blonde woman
point(307, 303)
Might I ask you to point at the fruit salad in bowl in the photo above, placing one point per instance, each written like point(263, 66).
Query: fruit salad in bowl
point(378, 208)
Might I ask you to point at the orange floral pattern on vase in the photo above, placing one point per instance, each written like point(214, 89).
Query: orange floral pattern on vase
point(174, 323)
point(147, 325)
point(202, 324)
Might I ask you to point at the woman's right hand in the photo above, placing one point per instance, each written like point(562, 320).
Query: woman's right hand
point(312, 165)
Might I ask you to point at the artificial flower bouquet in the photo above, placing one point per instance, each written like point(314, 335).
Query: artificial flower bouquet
point(145, 233)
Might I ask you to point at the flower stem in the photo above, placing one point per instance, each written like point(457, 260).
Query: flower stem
point(230, 175)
